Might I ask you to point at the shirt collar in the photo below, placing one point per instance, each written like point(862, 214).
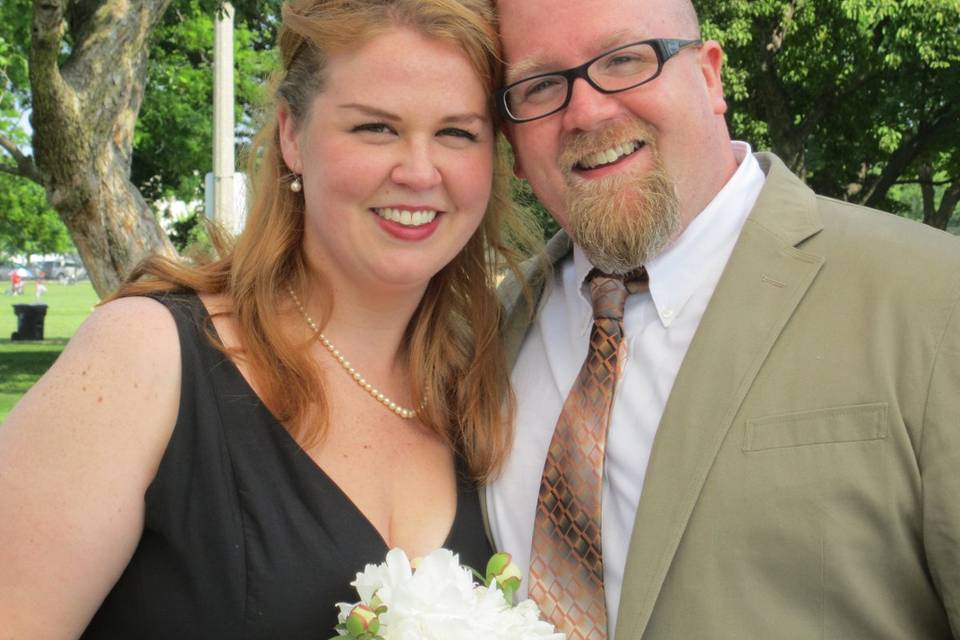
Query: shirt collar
point(696, 257)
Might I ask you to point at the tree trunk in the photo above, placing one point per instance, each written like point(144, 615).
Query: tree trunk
point(84, 113)
point(927, 191)
point(785, 139)
point(911, 147)
point(940, 217)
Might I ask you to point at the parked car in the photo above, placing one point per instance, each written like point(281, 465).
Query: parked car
point(6, 268)
point(65, 270)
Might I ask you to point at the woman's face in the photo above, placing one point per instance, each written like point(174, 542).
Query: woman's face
point(396, 157)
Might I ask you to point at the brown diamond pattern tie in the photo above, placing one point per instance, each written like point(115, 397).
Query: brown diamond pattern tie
point(566, 565)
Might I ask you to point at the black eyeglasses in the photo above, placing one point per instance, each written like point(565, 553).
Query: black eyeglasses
point(625, 67)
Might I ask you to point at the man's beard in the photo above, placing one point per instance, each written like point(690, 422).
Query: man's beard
point(623, 220)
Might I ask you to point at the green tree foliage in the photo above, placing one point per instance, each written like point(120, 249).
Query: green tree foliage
point(523, 195)
point(81, 93)
point(14, 32)
point(859, 97)
point(14, 87)
point(27, 223)
point(173, 147)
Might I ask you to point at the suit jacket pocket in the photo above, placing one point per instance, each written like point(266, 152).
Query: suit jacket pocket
point(854, 423)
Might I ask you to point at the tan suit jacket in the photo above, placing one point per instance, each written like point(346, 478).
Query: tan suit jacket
point(805, 478)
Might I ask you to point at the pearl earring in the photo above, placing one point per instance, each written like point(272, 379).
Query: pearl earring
point(296, 186)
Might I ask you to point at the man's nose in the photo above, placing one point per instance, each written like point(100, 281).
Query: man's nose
point(588, 108)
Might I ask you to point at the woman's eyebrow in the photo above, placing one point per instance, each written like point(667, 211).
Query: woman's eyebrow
point(465, 118)
point(375, 112)
point(370, 111)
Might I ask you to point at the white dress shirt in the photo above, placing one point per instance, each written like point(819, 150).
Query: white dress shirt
point(658, 328)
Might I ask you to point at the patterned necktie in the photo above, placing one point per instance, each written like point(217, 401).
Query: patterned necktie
point(566, 566)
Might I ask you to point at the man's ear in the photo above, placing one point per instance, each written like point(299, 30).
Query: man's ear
point(507, 132)
point(289, 139)
point(711, 64)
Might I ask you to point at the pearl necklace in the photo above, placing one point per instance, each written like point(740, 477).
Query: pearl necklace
point(403, 412)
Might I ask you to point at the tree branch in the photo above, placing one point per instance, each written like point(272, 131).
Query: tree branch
point(910, 147)
point(948, 203)
point(931, 183)
point(774, 94)
point(925, 173)
point(11, 169)
point(779, 33)
point(830, 96)
point(56, 106)
point(25, 167)
point(110, 97)
point(47, 36)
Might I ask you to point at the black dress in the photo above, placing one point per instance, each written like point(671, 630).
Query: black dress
point(245, 536)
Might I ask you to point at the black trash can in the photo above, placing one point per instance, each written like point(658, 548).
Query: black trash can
point(29, 321)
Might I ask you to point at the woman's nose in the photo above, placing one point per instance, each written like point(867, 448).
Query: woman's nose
point(417, 169)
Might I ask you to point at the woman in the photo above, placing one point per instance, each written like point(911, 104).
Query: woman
point(202, 461)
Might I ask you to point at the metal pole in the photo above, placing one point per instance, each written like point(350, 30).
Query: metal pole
point(224, 162)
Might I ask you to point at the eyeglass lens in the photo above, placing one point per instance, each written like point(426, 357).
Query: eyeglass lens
point(616, 71)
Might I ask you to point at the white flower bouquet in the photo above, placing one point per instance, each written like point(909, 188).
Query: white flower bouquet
point(437, 599)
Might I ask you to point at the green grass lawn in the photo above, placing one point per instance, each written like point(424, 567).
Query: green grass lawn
point(21, 363)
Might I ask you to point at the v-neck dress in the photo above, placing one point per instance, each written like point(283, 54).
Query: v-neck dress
point(245, 536)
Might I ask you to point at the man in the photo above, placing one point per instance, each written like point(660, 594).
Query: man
point(782, 458)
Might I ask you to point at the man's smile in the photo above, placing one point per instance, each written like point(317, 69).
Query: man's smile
point(608, 156)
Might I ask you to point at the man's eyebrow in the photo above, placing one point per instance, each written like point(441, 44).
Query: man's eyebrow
point(370, 111)
point(616, 39)
point(538, 63)
point(525, 68)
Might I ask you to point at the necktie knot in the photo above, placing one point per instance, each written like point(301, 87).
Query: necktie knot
point(609, 292)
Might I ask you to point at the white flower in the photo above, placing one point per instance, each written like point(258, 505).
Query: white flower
point(439, 601)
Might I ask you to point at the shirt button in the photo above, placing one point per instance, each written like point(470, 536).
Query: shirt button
point(667, 314)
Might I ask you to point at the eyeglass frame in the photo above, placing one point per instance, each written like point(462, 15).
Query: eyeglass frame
point(665, 49)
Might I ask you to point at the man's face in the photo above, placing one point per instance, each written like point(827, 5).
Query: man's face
point(663, 135)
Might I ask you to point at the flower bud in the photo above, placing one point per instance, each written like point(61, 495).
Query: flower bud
point(362, 619)
point(377, 604)
point(505, 571)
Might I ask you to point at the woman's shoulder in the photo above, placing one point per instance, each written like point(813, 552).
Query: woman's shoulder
point(125, 356)
point(120, 372)
point(131, 329)
point(79, 451)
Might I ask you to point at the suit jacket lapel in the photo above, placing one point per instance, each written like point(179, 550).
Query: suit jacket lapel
point(764, 280)
point(519, 307)
point(518, 312)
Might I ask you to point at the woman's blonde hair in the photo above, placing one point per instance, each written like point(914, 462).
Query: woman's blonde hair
point(456, 360)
